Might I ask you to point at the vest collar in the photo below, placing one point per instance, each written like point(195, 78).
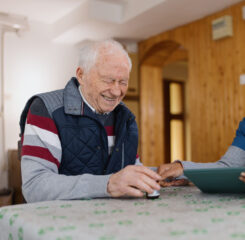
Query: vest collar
point(72, 98)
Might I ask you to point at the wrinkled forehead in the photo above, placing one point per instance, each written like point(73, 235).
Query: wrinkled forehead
point(113, 60)
point(113, 56)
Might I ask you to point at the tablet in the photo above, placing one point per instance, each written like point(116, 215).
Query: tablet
point(217, 180)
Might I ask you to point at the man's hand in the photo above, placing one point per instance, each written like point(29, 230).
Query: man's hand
point(133, 181)
point(170, 172)
point(242, 176)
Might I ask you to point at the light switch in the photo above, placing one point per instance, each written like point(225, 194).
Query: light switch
point(243, 12)
point(242, 79)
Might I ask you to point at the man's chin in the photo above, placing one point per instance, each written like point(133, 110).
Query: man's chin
point(106, 110)
point(109, 108)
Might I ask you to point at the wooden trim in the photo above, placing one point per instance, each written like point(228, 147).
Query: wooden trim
point(166, 132)
point(162, 50)
point(152, 115)
point(132, 97)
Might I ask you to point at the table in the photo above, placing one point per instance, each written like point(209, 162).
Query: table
point(179, 213)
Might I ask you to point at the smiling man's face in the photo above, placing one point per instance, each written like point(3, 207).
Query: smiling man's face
point(107, 82)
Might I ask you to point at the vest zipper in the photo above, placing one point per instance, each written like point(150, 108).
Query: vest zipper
point(122, 156)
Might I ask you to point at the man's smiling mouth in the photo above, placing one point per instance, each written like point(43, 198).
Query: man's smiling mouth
point(109, 98)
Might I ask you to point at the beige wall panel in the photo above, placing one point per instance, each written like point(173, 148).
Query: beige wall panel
point(215, 98)
point(133, 88)
point(133, 105)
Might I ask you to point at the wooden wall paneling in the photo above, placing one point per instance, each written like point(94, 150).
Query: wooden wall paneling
point(239, 55)
point(151, 109)
point(215, 97)
point(200, 99)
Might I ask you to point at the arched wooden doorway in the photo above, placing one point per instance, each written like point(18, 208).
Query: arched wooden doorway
point(152, 61)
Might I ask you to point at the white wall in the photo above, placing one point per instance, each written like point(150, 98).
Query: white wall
point(32, 64)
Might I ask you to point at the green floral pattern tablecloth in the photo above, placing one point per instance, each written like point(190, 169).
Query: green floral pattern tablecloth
point(179, 213)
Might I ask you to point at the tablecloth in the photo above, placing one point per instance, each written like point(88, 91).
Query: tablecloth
point(179, 213)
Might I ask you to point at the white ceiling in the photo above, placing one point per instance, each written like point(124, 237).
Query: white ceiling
point(46, 11)
point(74, 21)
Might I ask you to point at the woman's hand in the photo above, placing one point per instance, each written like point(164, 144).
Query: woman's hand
point(242, 176)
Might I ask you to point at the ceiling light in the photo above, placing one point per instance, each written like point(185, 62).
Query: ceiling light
point(14, 21)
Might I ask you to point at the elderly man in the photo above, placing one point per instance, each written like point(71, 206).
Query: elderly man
point(234, 157)
point(81, 142)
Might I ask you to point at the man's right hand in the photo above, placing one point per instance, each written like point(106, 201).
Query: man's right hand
point(133, 181)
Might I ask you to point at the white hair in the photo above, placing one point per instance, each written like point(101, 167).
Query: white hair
point(90, 52)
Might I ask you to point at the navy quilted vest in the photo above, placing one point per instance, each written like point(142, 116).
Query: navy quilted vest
point(85, 147)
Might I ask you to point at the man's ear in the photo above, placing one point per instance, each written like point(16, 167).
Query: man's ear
point(79, 74)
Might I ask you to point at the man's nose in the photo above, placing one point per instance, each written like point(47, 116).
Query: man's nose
point(116, 89)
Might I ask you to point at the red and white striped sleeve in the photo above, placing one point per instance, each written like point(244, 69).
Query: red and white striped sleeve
point(40, 139)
